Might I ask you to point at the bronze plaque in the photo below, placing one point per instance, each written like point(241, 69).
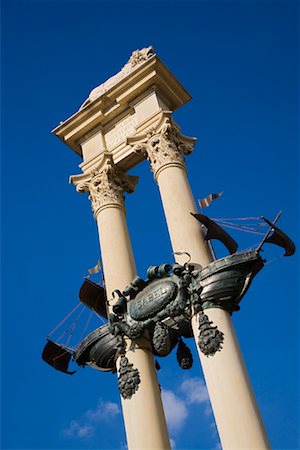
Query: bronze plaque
point(152, 299)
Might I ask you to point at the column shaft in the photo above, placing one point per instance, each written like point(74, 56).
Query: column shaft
point(143, 413)
point(144, 418)
point(117, 257)
point(236, 411)
point(233, 402)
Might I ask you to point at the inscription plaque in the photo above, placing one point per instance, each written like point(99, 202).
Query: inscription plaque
point(152, 299)
point(120, 131)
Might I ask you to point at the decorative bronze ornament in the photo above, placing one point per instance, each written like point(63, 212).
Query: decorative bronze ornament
point(129, 378)
point(161, 305)
point(210, 338)
point(154, 298)
point(160, 309)
point(161, 339)
point(184, 355)
point(156, 301)
point(98, 350)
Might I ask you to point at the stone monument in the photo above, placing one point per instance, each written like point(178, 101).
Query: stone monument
point(125, 120)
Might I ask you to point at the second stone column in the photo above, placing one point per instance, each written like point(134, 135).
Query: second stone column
point(233, 401)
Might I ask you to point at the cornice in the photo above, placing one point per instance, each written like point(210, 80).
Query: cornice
point(116, 100)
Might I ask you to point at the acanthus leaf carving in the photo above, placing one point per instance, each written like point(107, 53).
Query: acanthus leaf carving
point(106, 184)
point(165, 147)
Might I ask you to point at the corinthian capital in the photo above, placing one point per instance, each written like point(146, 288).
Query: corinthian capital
point(105, 184)
point(163, 146)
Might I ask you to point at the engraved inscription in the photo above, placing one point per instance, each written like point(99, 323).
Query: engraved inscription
point(155, 295)
point(152, 299)
point(120, 131)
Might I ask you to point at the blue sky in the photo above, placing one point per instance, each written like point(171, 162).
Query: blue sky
point(238, 59)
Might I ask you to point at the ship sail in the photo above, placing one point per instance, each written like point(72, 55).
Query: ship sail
point(278, 237)
point(93, 296)
point(214, 231)
point(57, 356)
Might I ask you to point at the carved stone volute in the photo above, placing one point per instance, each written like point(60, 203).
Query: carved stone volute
point(163, 146)
point(105, 184)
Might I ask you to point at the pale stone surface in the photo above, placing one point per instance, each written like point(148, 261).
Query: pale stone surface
point(143, 413)
point(233, 401)
point(93, 145)
point(148, 105)
point(165, 148)
point(120, 131)
point(178, 203)
point(145, 429)
point(125, 120)
point(106, 186)
point(120, 107)
point(137, 57)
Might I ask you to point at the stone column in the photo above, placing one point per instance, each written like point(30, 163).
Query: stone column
point(233, 402)
point(144, 418)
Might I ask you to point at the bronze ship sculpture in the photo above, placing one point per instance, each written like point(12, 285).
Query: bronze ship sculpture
point(160, 308)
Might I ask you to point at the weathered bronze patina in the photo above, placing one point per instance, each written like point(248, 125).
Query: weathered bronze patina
point(153, 299)
point(98, 350)
point(161, 307)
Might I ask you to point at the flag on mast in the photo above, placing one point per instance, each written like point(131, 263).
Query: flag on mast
point(95, 269)
point(205, 202)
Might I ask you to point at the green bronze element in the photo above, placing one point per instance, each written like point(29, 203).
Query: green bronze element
point(135, 331)
point(136, 285)
point(224, 282)
point(129, 378)
point(120, 307)
point(184, 355)
point(161, 307)
point(210, 338)
point(158, 271)
point(161, 297)
point(161, 339)
point(154, 298)
point(98, 350)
